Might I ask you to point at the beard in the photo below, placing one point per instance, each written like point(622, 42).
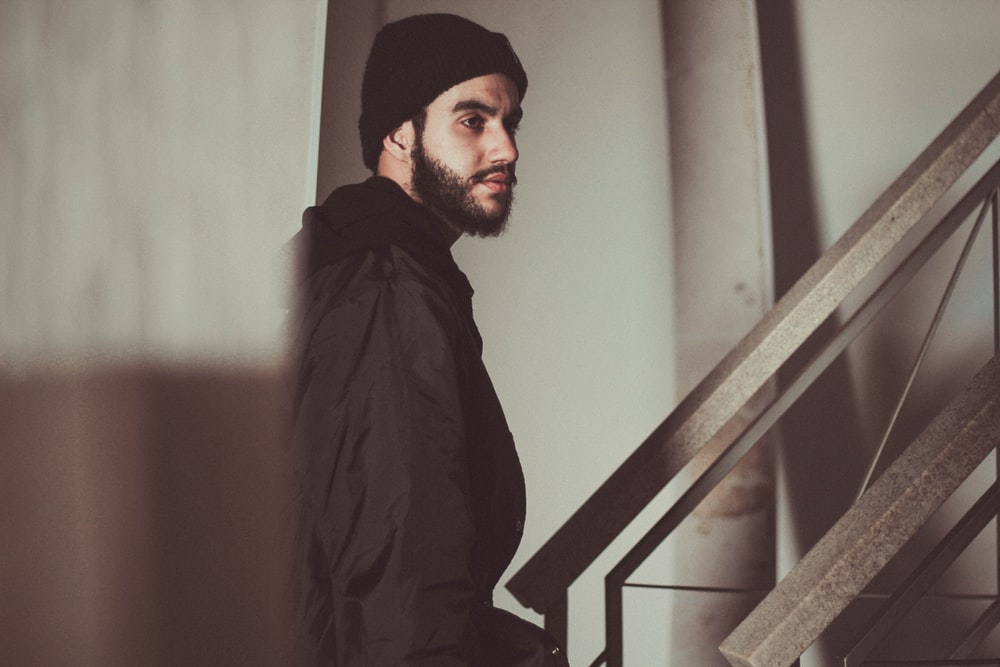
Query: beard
point(449, 194)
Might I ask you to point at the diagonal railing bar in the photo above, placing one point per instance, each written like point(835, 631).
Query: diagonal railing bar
point(984, 625)
point(859, 545)
point(749, 366)
point(925, 574)
point(926, 344)
point(729, 456)
point(699, 589)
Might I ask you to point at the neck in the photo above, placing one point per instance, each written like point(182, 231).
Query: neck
point(449, 231)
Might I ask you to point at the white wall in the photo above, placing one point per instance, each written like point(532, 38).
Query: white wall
point(153, 156)
point(883, 78)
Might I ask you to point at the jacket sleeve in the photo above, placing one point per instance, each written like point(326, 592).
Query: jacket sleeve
point(385, 477)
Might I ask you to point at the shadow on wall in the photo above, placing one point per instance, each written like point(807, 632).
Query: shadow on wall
point(143, 518)
point(820, 456)
point(825, 451)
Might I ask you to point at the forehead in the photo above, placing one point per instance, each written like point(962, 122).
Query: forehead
point(493, 90)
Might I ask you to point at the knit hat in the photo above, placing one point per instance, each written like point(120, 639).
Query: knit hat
point(414, 60)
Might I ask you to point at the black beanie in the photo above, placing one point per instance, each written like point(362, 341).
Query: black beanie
point(414, 60)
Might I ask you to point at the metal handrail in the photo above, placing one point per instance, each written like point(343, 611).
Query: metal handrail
point(731, 455)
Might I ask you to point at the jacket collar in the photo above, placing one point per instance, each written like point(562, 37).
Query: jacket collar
point(371, 214)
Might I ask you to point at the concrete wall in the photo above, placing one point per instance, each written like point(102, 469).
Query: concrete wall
point(723, 269)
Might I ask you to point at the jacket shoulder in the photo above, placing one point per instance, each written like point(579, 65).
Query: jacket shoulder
point(337, 290)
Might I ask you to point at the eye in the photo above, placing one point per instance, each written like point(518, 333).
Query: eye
point(473, 122)
point(512, 127)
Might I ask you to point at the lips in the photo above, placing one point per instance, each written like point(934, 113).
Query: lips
point(499, 183)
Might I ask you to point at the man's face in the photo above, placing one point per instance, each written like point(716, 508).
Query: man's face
point(464, 155)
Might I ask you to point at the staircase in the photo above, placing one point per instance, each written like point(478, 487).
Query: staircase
point(887, 515)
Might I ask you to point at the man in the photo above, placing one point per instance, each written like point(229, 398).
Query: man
point(411, 493)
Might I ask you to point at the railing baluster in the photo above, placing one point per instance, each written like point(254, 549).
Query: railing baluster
point(557, 620)
point(925, 346)
point(614, 630)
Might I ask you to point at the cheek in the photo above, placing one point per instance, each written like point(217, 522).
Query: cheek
point(460, 155)
point(460, 160)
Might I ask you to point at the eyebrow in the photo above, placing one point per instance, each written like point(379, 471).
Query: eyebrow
point(478, 105)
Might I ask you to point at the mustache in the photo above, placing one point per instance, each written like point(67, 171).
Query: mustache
point(506, 169)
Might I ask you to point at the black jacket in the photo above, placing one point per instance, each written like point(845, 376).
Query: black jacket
point(411, 493)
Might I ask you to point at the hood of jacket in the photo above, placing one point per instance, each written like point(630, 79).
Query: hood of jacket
point(374, 213)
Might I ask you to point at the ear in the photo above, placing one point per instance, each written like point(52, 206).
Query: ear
point(399, 142)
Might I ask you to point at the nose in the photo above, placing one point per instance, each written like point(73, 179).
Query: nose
point(503, 148)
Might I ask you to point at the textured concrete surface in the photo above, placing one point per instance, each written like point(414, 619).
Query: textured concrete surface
point(873, 530)
point(712, 53)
